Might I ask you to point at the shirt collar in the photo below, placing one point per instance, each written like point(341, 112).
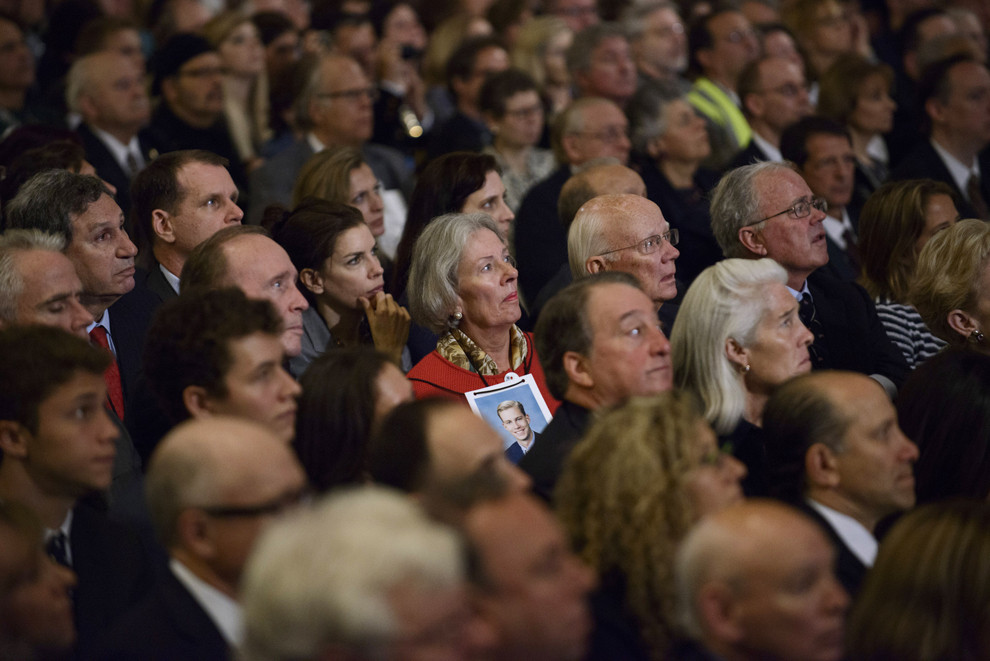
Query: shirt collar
point(854, 534)
point(959, 171)
point(170, 278)
point(314, 143)
point(225, 613)
point(65, 529)
point(773, 154)
point(119, 150)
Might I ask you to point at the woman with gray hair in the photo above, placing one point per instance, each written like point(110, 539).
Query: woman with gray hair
point(463, 285)
point(737, 338)
point(670, 142)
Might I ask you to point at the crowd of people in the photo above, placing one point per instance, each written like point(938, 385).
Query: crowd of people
point(494, 330)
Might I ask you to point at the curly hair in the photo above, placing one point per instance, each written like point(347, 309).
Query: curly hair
point(623, 501)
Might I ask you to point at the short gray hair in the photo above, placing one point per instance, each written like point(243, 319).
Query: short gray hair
point(586, 41)
point(13, 242)
point(725, 301)
point(634, 17)
point(322, 577)
point(437, 253)
point(586, 237)
point(79, 78)
point(49, 200)
point(646, 111)
point(736, 204)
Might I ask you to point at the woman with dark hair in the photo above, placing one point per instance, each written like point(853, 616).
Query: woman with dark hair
point(346, 394)
point(459, 182)
point(944, 407)
point(335, 253)
point(895, 224)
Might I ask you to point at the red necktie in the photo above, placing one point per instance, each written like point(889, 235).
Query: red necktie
point(112, 374)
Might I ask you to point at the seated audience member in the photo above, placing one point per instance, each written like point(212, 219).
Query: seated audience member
point(245, 83)
point(824, 30)
point(768, 210)
point(346, 393)
point(463, 286)
point(246, 258)
point(36, 592)
point(821, 150)
point(363, 575)
point(516, 421)
point(511, 106)
point(658, 40)
point(601, 64)
point(627, 233)
point(587, 129)
point(38, 284)
point(181, 199)
point(602, 342)
point(738, 337)
point(429, 446)
point(448, 34)
point(213, 486)
point(651, 465)
point(835, 450)
point(895, 224)
point(110, 33)
point(577, 14)
point(602, 176)
point(942, 409)
point(468, 68)
point(856, 92)
point(188, 74)
point(540, 51)
point(927, 590)
point(453, 183)
point(949, 288)
point(954, 152)
point(341, 175)
point(58, 447)
point(19, 78)
point(218, 352)
point(334, 109)
point(736, 573)
point(670, 141)
point(107, 90)
point(342, 278)
point(773, 94)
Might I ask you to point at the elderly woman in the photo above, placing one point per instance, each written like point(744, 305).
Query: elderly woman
point(642, 476)
point(927, 595)
point(951, 288)
point(737, 338)
point(895, 224)
point(856, 92)
point(343, 280)
point(670, 142)
point(463, 286)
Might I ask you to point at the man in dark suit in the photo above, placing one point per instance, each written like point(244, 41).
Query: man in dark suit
point(213, 485)
point(58, 446)
point(956, 97)
point(599, 341)
point(768, 210)
point(180, 200)
point(835, 450)
point(107, 90)
point(516, 422)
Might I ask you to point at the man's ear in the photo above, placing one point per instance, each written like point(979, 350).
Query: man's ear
point(718, 612)
point(168, 89)
point(754, 105)
point(821, 466)
point(596, 264)
point(198, 402)
point(194, 532)
point(14, 438)
point(312, 280)
point(575, 365)
point(86, 107)
point(161, 225)
point(962, 323)
point(567, 143)
point(934, 110)
point(752, 240)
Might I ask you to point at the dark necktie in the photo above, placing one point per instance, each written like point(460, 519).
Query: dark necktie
point(132, 165)
point(852, 248)
point(115, 391)
point(976, 197)
point(57, 548)
point(806, 311)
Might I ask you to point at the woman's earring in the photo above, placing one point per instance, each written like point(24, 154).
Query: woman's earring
point(458, 316)
point(976, 337)
point(745, 369)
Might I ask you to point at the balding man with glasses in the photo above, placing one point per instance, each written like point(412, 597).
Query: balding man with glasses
point(768, 210)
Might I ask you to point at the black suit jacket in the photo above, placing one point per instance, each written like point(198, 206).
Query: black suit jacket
point(107, 167)
point(154, 281)
point(751, 154)
point(167, 625)
point(113, 569)
point(854, 338)
point(925, 163)
point(130, 317)
point(540, 238)
point(849, 569)
point(545, 461)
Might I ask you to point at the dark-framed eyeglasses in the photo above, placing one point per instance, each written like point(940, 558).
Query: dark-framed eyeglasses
point(801, 209)
point(272, 507)
point(650, 244)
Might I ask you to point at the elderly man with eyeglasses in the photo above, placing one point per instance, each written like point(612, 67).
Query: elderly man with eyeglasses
point(768, 210)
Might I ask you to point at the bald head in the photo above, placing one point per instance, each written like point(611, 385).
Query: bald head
point(107, 89)
point(756, 581)
point(610, 176)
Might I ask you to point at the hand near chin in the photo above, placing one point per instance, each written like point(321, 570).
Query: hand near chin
point(389, 323)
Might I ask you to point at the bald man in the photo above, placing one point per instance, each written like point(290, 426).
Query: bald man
point(755, 582)
point(213, 485)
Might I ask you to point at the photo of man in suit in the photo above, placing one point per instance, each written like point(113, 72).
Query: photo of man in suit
point(516, 422)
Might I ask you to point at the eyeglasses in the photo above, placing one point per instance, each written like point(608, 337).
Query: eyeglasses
point(369, 93)
point(270, 508)
point(522, 113)
point(790, 90)
point(609, 136)
point(801, 209)
point(650, 244)
point(738, 36)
